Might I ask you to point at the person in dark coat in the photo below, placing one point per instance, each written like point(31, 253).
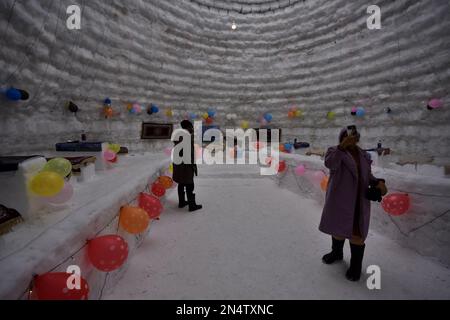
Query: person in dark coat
point(346, 214)
point(183, 173)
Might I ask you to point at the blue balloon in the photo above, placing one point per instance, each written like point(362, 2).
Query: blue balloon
point(13, 94)
point(360, 112)
point(193, 116)
point(107, 101)
point(211, 113)
point(154, 109)
point(287, 146)
point(268, 117)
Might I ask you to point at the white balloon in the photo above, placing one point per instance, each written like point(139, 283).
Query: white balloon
point(65, 195)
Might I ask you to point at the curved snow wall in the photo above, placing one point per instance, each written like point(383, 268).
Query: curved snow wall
point(317, 55)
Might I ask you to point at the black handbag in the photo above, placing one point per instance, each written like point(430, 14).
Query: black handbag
point(373, 193)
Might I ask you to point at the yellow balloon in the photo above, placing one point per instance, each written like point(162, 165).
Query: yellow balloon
point(331, 115)
point(169, 113)
point(298, 113)
point(171, 168)
point(114, 147)
point(205, 116)
point(61, 166)
point(244, 125)
point(46, 184)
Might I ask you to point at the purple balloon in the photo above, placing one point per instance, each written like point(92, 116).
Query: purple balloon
point(109, 155)
point(168, 151)
point(264, 122)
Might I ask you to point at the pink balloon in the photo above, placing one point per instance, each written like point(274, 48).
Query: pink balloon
point(300, 170)
point(354, 109)
point(108, 253)
point(137, 108)
point(319, 175)
point(65, 195)
point(435, 103)
point(168, 151)
point(109, 155)
point(316, 177)
point(198, 151)
point(264, 122)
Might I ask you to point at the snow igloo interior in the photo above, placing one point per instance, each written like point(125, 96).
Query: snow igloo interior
point(243, 59)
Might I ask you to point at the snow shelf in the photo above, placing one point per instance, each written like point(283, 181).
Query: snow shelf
point(57, 238)
point(425, 228)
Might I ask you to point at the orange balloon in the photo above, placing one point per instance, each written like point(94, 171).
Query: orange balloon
point(166, 181)
point(291, 114)
point(108, 111)
point(324, 183)
point(232, 153)
point(133, 219)
point(282, 149)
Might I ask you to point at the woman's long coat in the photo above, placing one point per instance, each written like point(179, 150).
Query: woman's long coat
point(340, 201)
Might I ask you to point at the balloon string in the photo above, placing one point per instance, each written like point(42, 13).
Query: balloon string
point(30, 285)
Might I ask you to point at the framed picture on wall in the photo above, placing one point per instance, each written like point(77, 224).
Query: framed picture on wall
point(156, 130)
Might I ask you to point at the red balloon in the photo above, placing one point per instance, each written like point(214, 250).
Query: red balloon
point(158, 189)
point(259, 145)
point(396, 204)
point(209, 120)
point(151, 205)
point(108, 253)
point(281, 166)
point(114, 160)
point(53, 286)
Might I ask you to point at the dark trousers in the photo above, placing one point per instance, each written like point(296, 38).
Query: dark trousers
point(189, 190)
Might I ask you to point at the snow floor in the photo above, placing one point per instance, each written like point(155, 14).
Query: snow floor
point(253, 240)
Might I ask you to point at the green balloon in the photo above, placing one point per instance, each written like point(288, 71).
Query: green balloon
point(61, 166)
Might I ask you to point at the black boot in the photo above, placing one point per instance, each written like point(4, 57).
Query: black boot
point(192, 205)
point(181, 199)
point(354, 272)
point(336, 253)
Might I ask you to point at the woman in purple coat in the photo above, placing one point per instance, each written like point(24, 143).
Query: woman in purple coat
point(346, 214)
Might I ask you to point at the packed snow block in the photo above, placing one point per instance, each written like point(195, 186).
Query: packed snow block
point(58, 239)
point(425, 228)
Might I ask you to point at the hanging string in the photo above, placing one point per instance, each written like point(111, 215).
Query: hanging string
point(27, 49)
point(30, 285)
